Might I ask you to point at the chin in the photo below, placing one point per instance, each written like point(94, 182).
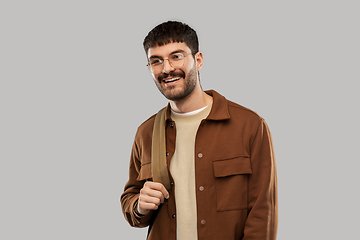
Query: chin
point(177, 96)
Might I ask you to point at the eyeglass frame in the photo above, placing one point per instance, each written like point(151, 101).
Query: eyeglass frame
point(163, 61)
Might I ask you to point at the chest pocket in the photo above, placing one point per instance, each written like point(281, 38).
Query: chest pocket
point(145, 172)
point(232, 182)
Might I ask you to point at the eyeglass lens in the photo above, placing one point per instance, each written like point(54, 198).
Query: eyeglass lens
point(176, 60)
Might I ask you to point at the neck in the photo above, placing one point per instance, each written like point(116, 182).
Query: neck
point(196, 100)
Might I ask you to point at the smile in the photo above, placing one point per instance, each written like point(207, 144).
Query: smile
point(171, 79)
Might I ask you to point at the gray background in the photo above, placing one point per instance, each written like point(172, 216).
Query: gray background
point(74, 88)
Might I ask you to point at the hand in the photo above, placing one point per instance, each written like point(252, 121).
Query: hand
point(151, 196)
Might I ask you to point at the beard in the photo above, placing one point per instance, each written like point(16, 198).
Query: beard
point(171, 92)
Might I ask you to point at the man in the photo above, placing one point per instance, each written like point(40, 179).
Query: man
point(219, 155)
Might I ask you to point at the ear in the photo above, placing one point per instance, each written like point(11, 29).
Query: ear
point(199, 60)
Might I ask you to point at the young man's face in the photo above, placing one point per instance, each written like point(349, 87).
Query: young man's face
point(176, 83)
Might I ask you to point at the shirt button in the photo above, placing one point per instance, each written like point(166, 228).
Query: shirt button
point(173, 216)
point(200, 155)
point(172, 184)
point(171, 125)
point(203, 222)
point(201, 188)
point(167, 154)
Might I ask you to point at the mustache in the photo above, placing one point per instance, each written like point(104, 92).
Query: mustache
point(176, 73)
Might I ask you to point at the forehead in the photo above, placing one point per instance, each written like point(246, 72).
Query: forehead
point(166, 50)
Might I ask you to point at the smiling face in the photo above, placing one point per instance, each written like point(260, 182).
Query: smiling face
point(176, 83)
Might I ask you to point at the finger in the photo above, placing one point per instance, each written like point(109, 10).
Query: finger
point(165, 192)
point(144, 207)
point(146, 191)
point(159, 187)
point(149, 199)
point(147, 203)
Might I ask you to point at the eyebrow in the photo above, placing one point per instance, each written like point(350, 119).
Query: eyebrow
point(176, 51)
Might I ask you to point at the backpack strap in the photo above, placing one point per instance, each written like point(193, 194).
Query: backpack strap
point(159, 169)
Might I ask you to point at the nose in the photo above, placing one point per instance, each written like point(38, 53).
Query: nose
point(167, 66)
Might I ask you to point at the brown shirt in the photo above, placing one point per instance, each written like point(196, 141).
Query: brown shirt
point(235, 174)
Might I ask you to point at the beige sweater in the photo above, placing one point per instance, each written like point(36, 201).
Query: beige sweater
point(182, 168)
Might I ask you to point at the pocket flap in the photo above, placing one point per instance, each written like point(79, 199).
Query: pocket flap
point(233, 166)
point(145, 172)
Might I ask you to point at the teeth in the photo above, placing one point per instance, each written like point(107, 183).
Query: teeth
point(172, 79)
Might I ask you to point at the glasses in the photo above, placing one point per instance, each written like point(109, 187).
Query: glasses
point(176, 60)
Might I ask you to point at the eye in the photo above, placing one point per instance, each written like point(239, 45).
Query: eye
point(177, 56)
point(155, 61)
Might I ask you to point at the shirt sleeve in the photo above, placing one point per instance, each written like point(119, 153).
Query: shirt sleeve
point(131, 193)
point(262, 220)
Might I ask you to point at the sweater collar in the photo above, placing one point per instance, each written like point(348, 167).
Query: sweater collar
point(219, 110)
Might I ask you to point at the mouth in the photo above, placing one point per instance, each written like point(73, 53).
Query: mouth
point(169, 80)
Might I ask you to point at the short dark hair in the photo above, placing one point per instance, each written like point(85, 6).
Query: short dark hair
point(172, 31)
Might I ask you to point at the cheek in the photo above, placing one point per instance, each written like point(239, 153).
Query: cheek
point(186, 70)
point(190, 67)
point(155, 77)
